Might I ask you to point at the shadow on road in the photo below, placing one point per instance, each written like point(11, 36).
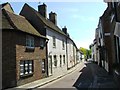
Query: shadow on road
point(85, 78)
point(93, 76)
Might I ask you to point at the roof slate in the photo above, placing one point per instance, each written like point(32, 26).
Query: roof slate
point(5, 23)
point(47, 22)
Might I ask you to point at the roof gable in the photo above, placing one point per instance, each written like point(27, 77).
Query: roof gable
point(46, 22)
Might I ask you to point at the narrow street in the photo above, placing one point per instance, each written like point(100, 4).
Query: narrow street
point(89, 75)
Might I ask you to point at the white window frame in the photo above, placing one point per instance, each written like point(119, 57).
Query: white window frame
point(64, 59)
point(60, 60)
point(63, 44)
point(55, 61)
point(43, 66)
point(26, 67)
point(54, 41)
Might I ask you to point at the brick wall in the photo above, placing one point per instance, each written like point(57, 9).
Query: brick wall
point(15, 50)
point(8, 60)
point(107, 28)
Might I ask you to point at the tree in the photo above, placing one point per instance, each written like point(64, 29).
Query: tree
point(86, 52)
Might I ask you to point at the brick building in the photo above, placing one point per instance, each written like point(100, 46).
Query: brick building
point(23, 50)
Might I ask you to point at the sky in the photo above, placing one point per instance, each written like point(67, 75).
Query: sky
point(80, 18)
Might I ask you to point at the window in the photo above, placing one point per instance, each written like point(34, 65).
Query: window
point(42, 43)
point(63, 44)
point(55, 61)
point(60, 60)
point(54, 41)
point(43, 66)
point(64, 59)
point(26, 67)
point(29, 41)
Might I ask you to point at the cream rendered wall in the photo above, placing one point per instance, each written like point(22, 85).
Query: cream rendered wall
point(70, 48)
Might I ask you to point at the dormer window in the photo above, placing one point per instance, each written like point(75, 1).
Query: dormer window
point(29, 41)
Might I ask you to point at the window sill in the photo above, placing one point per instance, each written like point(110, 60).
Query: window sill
point(54, 46)
point(41, 47)
point(28, 49)
point(43, 71)
point(26, 76)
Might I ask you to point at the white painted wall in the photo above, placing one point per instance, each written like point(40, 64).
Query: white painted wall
point(78, 56)
point(75, 54)
point(56, 51)
point(70, 48)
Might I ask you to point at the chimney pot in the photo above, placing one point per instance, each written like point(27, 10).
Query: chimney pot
point(53, 17)
point(42, 9)
point(64, 30)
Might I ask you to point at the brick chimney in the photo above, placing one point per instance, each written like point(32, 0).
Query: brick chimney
point(64, 30)
point(53, 17)
point(42, 9)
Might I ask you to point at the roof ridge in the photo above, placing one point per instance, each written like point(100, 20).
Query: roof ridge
point(15, 14)
point(4, 4)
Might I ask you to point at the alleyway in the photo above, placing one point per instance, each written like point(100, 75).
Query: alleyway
point(89, 76)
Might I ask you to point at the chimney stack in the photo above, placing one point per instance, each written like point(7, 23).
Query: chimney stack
point(42, 9)
point(64, 30)
point(53, 18)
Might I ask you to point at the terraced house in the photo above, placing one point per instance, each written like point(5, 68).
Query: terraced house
point(109, 40)
point(23, 50)
point(58, 48)
point(34, 47)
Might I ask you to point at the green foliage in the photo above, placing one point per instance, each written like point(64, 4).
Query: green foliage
point(86, 52)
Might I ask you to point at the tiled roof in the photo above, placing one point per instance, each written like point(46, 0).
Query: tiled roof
point(47, 22)
point(5, 22)
point(19, 23)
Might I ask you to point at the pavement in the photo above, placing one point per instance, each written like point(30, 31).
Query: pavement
point(41, 82)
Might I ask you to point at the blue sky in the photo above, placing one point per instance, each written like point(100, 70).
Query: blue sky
point(80, 18)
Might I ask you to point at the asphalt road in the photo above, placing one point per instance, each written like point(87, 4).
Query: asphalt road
point(73, 80)
point(88, 75)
